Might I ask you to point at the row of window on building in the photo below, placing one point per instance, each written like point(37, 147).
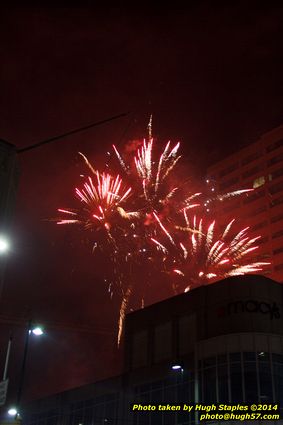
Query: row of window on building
point(226, 377)
point(253, 157)
point(257, 182)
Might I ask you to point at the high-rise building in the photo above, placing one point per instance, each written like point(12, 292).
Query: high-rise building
point(258, 166)
point(9, 173)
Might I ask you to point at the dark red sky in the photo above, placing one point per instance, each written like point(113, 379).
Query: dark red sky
point(210, 74)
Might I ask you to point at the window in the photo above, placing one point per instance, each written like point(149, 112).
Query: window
point(250, 376)
point(275, 174)
point(232, 207)
point(223, 383)
point(249, 356)
point(274, 145)
point(259, 226)
point(262, 240)
point(139, 353)
point(253, 375)
point(254, 197)
point(209, 384)
point(162, 341)
point(251, 171)
point(259, 210)
point(263, 257)
point(229, 169)
point(236, 382)
point(277, 234)
point(278, 250)
point(251, 158)
point(258, 182)
point(210, 361)
point(275, 159)
point(278, 381)
point(276, 201)
point(277, 358)
point(276, 218)
point(228, 183)
point(187, 329)
point(276, 188)
point(235, 357)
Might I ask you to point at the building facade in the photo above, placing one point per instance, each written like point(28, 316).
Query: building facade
point(227, 338)
point(258, 166)
point(9, 175)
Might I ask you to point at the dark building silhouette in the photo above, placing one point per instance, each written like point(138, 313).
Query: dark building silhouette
point(9, 174)
point(227, 337)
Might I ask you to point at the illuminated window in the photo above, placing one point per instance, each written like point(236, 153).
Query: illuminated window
point(258, 182)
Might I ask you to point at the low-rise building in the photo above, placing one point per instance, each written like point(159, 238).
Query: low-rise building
point(226, 338)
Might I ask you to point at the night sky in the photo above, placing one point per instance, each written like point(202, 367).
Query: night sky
point(211, 76)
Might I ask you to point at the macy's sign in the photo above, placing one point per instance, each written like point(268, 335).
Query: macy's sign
point(250, 306)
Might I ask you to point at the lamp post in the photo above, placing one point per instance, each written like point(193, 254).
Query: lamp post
point(4, 249)
point(30, 330)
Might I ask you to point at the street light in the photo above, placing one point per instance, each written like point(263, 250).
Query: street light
point(12, 411)
point(177, 365)
point(4, 244)
point(30, 330)
point(37, 331)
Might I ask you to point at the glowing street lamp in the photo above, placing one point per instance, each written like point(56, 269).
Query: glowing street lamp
point(12, 411)
point(37, 330)
point(4, 244)
point(177, 365)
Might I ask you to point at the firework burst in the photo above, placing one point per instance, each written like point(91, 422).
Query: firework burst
point(151, 175)
point(204, 255)
point(100, 203)
point(135, 223)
